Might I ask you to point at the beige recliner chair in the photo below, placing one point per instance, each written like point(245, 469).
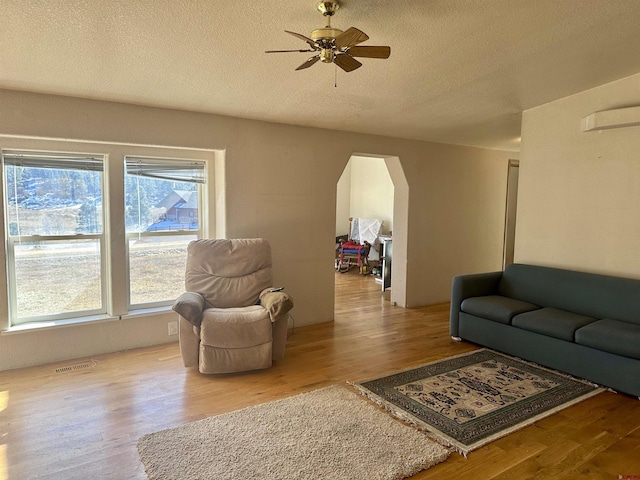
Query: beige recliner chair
point(231, 320)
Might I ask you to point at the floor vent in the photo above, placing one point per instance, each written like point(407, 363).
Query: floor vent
point(72, 368)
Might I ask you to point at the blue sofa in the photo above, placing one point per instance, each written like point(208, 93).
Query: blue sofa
point(584, 324)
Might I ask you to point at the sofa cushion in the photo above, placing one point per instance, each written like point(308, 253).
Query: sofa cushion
point(613, 336)
point(552, 322)
point(496, 308)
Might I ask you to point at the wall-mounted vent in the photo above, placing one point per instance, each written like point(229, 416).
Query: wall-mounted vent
point(72, 368)
point(616, 118)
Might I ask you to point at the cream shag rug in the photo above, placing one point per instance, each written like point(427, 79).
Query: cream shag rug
point(329, 433)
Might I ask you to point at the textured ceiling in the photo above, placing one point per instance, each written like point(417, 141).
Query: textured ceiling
point(460, 71)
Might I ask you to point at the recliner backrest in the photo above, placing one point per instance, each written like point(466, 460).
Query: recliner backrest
point(229, 273)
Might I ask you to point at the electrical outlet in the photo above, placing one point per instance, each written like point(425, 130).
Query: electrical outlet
point(173, 328)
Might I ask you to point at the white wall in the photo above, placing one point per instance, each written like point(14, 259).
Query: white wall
point(280, 184)
point(579, 193)
point(371, 191)
point(343, 202)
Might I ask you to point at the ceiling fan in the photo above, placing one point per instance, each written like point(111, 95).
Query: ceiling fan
point(334, 45)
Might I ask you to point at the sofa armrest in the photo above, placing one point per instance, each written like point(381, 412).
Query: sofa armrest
point(465, 286)
point(190, 306)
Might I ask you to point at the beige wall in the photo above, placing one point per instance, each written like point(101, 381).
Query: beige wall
point(456, 223)
point(365, 190)
point(372, 191)
point(579, 193)
point(280, 183)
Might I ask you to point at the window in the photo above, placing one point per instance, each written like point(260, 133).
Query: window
point(100, 235)
point(162, 215)
point(55, 235)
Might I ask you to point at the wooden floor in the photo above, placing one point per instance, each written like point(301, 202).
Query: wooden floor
point(85, 424)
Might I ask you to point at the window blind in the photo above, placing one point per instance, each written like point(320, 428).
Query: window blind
point(53, 160)
point(168, 169)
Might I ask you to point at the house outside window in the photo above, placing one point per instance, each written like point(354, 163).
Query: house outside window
point(163, 215)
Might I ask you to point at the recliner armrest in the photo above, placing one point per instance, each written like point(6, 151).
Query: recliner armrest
point(277, 304)
point(190, 306)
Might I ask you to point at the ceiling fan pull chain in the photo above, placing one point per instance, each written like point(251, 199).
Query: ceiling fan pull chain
point(335, 70)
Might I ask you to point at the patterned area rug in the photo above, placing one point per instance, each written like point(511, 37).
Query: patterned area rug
point(470, 400)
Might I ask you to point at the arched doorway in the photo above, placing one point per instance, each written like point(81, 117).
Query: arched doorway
point(374, 186)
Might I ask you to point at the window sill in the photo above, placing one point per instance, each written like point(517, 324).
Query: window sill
point(73, 322)
point(147, 312)
point(47, 325)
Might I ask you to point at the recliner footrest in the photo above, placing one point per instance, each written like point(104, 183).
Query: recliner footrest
point(228, 360)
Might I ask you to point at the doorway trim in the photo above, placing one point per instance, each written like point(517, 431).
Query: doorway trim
point(510, 211)
point(400, 230)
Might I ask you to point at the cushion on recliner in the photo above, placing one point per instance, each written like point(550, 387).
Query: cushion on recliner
point(496, 308)
point(552, 322)
point(613, 336)
point(235, 327)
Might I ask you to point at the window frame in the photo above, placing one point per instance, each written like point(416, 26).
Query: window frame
point(114, 254)
point(12, 284)
point(132, 235)
point(31, 157)
point(199, 182)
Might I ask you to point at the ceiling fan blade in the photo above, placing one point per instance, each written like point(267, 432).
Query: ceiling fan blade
point(287, 51)
point(350, 37)
point(346, 62)
point(309, 62)
point(370, 52)
point(311, 43)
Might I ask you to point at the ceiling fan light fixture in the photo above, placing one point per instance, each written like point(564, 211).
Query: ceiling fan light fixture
point(327, 55)
point(332, 45)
